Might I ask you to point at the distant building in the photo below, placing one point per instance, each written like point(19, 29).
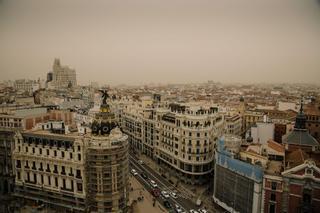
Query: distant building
point(279, 131)
point(61, 76)
point(261, 132)
point(233, 124)
point(312, 111)
point(300, 138)
point(28, 86)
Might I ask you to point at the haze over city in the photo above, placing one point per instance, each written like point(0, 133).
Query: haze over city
point(134, 42)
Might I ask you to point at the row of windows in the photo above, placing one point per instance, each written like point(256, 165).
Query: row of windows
point(32, 178)
point(48, 168)
point(55, 153)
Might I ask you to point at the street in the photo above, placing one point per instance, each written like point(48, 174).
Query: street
point(182, 200)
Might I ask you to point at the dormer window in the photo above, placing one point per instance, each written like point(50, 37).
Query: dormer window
point(309, 172)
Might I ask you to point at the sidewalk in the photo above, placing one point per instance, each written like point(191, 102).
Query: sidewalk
point(145, 205)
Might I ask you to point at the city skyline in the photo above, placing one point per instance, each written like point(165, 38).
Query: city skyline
point(162, 42)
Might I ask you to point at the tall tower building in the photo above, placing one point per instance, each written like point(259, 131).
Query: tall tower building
point(107, 164)
point(62, 76)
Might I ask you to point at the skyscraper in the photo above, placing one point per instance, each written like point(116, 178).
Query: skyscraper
point(62, 76)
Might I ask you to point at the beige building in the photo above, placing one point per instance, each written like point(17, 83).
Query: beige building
point(180, 138)
point(62, 76)
point(80, 171)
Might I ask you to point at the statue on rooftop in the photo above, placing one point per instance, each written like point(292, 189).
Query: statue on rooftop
point(105, 95)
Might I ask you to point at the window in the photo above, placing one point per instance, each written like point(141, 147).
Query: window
point(55, 153)
point(48, 152)
point(273, 197)
point(79, 187)
point(63, 172)
point(55, 169)
point(78, 173)
point(198, 134)
point(79, 157)
point(79, 148)
point(71, 172)
point(62, 154)
point(63, 183)
point(40, 151)
point(18, 164)
point(49, 180)
point(272, 208)
point(48, 168)
point(26, 149)
point(33, 150)
point(56, 181)
point(274, 185)
point(18, 175)
point(309, 171)
point(70, 155)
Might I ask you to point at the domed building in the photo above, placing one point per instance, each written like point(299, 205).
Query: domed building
point(300, 138)
point(107, 164)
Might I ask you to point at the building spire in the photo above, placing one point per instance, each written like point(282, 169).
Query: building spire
point(301, 118)
point(301, 105)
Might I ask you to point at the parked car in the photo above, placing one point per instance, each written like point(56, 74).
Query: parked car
point(165, 194)
point(193, 211)
point(173, 195)
point(202, 211)
point(178, 209)
point(153, 184)
point(167, 204)
point(140, 162)
point(134, 172)
point(144, 175)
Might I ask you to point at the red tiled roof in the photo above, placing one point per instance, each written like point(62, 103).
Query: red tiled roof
point(276, 146)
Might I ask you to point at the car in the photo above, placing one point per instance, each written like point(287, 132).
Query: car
point(193, 211)
point(165, 194)
point(178, 208)
point(167, 204)
point(134, 172)
point(153, 184)
point(140, 162)
point(144, 175)
point(202, 211)
point(173, 195)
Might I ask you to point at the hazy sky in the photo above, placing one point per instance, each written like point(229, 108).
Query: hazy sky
point(144, 41)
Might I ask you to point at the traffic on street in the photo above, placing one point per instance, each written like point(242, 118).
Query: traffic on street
point(162, 190)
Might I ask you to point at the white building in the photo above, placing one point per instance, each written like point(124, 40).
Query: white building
point(179, 138)
point(262, 132)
